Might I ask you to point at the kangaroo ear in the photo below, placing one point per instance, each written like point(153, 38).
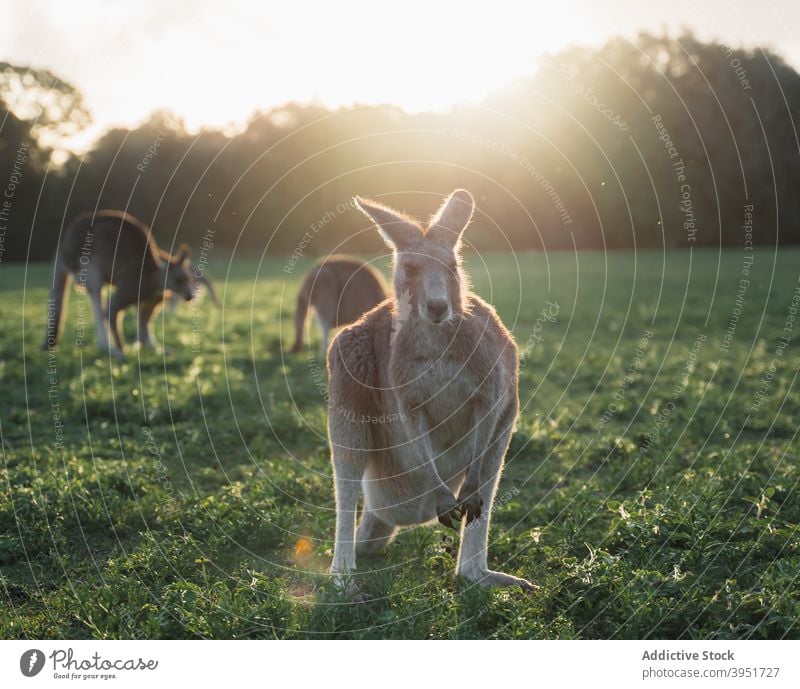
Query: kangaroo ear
point(184, 253)
point(452, 218)
point(397, 230)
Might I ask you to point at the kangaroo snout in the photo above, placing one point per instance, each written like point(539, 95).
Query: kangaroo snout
point(437, 310)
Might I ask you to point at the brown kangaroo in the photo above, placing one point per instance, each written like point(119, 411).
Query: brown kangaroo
point(341, 289)
point(113, 247)
point(423, 400)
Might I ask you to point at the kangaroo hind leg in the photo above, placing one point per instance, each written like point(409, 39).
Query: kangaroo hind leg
point(472, 555)
point(373, 534)
point(347, 473)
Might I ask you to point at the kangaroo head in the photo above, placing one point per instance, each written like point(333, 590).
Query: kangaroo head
point(427, 266)
point(179, 279)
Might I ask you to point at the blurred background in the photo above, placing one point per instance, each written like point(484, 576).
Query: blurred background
point(575, 124)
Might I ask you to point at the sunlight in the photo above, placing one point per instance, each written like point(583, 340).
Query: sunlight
point(452, 56)
point(216, 69)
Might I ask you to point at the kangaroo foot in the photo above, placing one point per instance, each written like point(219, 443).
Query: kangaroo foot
point(489, 578)
point(346, 585)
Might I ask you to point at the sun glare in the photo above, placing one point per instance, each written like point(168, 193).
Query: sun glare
point(216, 69)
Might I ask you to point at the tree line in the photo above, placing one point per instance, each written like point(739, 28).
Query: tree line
point(656, 142)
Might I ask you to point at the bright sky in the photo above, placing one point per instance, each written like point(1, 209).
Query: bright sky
point(215, 62)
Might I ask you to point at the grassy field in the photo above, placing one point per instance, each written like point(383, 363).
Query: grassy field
point(650, 490)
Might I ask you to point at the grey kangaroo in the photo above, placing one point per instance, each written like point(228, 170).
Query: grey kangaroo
point(423, 401)
point(341, 289)
point(113, 247)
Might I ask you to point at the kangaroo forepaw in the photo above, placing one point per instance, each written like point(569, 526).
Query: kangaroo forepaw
point(470, 504)
point(447, 510)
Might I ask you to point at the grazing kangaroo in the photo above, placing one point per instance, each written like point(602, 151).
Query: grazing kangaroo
point(341, 289)
point(423, 400)
point(113, 247)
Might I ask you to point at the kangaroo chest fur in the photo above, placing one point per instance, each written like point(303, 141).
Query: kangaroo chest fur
point(430, 377)
point(427, 376)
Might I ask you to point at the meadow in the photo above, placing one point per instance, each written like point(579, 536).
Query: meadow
point(650, 489)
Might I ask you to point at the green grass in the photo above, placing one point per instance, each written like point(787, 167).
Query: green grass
point(646, 500)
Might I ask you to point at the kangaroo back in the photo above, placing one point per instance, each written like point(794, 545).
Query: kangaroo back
point(341, 289)
point(114, 242)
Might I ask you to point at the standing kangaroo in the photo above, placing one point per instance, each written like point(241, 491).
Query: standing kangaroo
point(341, 289)
point(112, 247)
point(423, 400)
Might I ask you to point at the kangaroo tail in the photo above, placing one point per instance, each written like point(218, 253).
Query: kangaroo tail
point(303, 300)
point(56, 303)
